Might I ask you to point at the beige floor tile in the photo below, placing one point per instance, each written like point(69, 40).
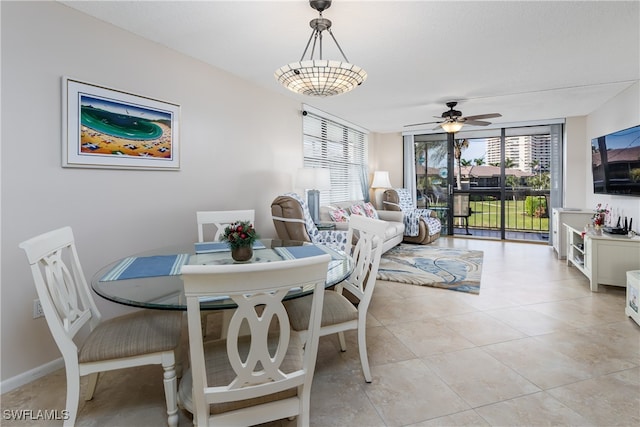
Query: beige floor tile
point(408, 392)
point(382, 347)
point(340, 400)
point(529, 321)
point(586, 311)
point(610, 400)
point(538, 409)
point(543, 365)
point(481, 329)
point(429, 336)
point(600, 349)
point(468, 418)
point(479, 378)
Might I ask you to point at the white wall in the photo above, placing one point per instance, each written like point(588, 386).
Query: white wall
point(619, 113)
point(575, 189)
point(240, 147)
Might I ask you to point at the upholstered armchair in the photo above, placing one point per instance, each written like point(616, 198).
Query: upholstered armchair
point(292, 220)
point(421, 226)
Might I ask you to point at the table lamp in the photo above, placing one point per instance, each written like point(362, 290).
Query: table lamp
point(380, 183)
point(313, 180)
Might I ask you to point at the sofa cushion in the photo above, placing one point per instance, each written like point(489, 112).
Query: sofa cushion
point(393, 229)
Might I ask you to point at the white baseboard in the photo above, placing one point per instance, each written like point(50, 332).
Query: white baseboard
point(31, 375)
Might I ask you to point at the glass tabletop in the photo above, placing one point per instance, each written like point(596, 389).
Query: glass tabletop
point(164, 289)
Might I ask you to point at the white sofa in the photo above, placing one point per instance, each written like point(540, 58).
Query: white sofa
point(395, 222)
point(292, 221)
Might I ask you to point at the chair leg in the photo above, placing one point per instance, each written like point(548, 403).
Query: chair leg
point(73, 395)
point(362, 348)
point(91, 388)
point(343, 343)
point(203, 323)
point(170, 388)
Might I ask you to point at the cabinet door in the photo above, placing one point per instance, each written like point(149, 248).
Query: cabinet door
point(615, 259)
point(588, 253)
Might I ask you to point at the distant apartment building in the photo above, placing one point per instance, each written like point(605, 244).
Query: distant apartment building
point(523, 151)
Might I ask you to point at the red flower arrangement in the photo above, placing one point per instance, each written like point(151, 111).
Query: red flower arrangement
point(600, 215)
point(238, 234)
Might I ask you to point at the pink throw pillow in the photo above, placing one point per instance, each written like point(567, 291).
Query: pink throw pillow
point(370, 211)
point(339, 215)
point(357, 210)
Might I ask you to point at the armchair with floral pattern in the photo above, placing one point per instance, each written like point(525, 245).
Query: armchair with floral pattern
point(293, 221)
point(420, 225)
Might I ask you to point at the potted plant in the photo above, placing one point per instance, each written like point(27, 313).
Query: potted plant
point(240, 237)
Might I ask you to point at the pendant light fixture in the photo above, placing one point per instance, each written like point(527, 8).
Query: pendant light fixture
point(320, 77)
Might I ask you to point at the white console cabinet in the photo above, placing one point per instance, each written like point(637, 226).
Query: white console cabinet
point(576, 218)
point(603, 258)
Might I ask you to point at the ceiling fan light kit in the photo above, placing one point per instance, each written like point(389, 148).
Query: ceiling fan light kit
point(320, 77)
point(452, 120)
point(451, 127)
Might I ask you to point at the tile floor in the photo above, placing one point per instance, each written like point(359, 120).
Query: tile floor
point(536, 347)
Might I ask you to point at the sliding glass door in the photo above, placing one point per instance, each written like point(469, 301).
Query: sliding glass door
point(511, 178)
point(432, 176)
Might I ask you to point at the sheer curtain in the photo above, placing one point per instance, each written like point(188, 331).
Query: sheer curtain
point(409, 178)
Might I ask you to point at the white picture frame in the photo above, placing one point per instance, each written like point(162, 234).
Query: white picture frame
point(111, 129)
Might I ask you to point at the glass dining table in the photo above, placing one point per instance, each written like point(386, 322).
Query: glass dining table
point(152, 279)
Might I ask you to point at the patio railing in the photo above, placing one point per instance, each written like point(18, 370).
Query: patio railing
point(525, 210)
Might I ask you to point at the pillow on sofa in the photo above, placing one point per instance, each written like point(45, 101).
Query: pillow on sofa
point(357, 210)
point(339, 215)
point(370, 211)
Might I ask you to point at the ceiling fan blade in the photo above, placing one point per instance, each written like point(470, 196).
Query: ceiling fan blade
point(438, 127)
point(418, 124)
point(484, 116)
point(476, 123)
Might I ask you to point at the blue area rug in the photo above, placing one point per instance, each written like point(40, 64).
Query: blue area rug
point(447, 268)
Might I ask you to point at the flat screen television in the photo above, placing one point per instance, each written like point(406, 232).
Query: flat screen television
point(616, 163)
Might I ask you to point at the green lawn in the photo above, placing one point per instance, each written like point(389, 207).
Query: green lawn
point(486, 214)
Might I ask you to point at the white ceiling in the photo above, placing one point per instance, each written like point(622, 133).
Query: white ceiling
point(531, 60)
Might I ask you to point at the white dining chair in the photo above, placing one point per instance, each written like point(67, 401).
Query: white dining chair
point(339, 314)
point(145, 337)
point(219, 220)
point(262, 371)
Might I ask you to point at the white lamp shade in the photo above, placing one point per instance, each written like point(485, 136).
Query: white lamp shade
point(313, 179)
point(451, 127)
point(381, 180)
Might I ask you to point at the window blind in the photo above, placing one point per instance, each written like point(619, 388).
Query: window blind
point(342, 148)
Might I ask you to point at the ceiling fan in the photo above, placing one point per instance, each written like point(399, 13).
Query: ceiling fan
point(453, 119)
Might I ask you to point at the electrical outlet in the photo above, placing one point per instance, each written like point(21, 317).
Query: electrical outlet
point(37, 309)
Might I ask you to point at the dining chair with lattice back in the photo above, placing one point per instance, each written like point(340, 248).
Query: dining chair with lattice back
point(339, 314)
point(218, 221)
point(147, 337)
point(263, 370)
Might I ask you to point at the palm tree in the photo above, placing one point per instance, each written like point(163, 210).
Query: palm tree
point(509, 163)
point(479, 162)
point(458, 146)
point(465, 162)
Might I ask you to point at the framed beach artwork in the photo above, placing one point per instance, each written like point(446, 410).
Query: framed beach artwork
point(111, 129)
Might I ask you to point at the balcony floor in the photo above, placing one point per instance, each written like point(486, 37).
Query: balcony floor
point(537, 237)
